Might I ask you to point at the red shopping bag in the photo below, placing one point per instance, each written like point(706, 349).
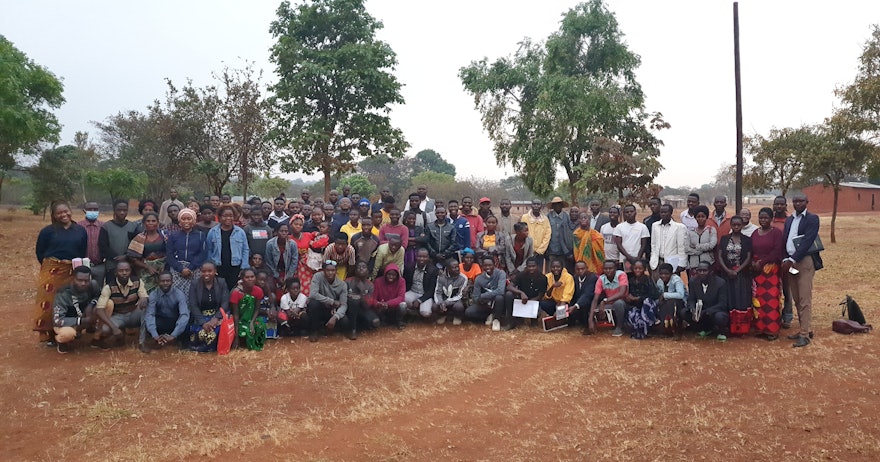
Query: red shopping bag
point(227, 334)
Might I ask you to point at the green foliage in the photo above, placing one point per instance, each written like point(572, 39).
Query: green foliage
point(27, 93)
point(861, 99)
point(52, 179)
point(270, 187)
point(334, 89)
point(568, 104)
point(120, 183)
point(431, 160)
point(359, 184)
point(777, 160)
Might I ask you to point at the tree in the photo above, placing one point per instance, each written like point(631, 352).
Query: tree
point(777, 160)
point(630, 176)
point(840, 154)
point(245, 122)
point(549, 107)
point(385, 172)
point(861, 98)
point(52, 177)
point(359, 184)
point(270, 187)
point(27, 93)
point(334, 88)
point(431, 160)
point(119, 183)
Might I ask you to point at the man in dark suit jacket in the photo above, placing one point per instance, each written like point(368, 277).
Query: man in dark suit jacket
point(584, 290)
point(715, 313)
point(597, 218)
point(804, 226)
point(421, 280)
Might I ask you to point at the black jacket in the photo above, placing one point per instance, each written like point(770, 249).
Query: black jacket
point(429, 282)
point(714, 298)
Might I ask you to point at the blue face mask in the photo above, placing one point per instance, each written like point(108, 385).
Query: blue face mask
point(91, 215)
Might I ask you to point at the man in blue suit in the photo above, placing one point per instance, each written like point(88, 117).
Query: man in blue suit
point(801, 231)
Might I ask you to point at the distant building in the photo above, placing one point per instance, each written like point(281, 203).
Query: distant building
point(677, 202)
point(853, 197)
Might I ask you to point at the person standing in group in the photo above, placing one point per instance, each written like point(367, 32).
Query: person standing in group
point(505, 219)
point(688, 216)
point(442, 244)
point(589, 246)
point(701, 241)
point(278, 214)
point(560, 246)
point(734, 257)
point(631, 238)
point(164, 219)
point(520, 247)
point(668, 241)
point(185, 251)
point(720, 220)
point(207, 214)
point(767, 248)
point(146, 251)
point(801, 232)
point(115, 237)
point(93, 225)
point(748, 226)
point(57, 245)
point(597, 218)
point(653, 205)
point(301, 240)
point(258, 232)
point(607, 230)
point(226, 246)
point(780, 215)
point(539, 230)
point(493, 242)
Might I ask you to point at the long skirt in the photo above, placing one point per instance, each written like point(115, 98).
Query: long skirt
point(766, 301)
point(739, 291)
point(183, 283)
point(199, 339)
point(151, 281)
point(54, 274)
point(304, 274)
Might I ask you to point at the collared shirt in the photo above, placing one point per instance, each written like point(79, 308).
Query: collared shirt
point(749, 229)
point(418, 282)
point(506, 223)
point(689, 221)
point(167, 305)
point(793, 232)
point(539, 230)
point(668, 240)
point(93, 230)
point(123, 288)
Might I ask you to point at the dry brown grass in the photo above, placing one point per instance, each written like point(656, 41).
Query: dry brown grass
point(453, 393)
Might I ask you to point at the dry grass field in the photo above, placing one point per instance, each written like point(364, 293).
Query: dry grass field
point(451, 393)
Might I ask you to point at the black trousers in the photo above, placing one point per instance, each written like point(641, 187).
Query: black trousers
point(319, 314)
point(716, 321)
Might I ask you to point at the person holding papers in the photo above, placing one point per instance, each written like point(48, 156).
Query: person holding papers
point(707, 307)
point(525, 293)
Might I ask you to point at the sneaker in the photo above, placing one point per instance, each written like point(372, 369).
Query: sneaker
point(63, 348)
point(618, 332)
point(721, 338)
point(99, 344)
point(456, 321)
point(352, 335)
point(704, 333)
point(496, 325)
point(51, 344)
point(507, 327)
point(489, 320)
point(441, 320)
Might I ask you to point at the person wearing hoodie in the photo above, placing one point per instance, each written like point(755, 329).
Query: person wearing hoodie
point(488, 296)
point(560, 288)
point(449, 292)
point(388, 296)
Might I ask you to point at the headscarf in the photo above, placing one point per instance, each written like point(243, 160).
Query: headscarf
point(186, 212)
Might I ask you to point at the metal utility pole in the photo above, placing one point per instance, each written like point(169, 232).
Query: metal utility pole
point(739, 113)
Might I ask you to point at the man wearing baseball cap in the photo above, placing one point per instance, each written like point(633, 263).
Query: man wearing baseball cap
point(485, 208)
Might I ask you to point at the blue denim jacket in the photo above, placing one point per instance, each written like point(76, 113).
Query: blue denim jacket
point(238, 242)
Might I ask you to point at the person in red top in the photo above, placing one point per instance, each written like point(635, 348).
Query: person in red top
point(248, 286)
point(388, 295)
point(302, 240)
point(719, 220)
point(394, 227)
point(475, 220)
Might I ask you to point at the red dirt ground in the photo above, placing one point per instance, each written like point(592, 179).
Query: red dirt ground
point(451, 393)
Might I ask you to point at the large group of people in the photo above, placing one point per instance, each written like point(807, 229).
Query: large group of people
point(308, 267)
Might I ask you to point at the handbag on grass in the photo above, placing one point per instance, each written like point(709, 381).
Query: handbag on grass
point(855, 324)
point(226, 335)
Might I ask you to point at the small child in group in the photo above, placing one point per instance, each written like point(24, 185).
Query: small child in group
point(292, 316)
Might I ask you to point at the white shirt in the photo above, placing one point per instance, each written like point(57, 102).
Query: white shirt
point(690, 222)
point(293, 305)
point(668, 240)
point(631, 235)
point(749, 229)
point(611, 252)
point(793, 232)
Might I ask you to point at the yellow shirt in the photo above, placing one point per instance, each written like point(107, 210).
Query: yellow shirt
point(539, 230)
point(350, 230)
point(561, 294)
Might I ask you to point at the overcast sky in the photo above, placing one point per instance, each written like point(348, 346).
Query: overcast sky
point(114, 56)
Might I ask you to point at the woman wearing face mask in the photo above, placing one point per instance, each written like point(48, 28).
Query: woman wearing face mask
point(185, 249)
point(57, 245)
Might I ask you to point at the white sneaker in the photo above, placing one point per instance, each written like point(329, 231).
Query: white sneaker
point(489, 320)
point(441, 320)
point(456, 321)
point(496, 325)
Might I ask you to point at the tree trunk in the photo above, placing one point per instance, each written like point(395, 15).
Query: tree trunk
point(834, 214)
point(327, 172)
point(2, 177)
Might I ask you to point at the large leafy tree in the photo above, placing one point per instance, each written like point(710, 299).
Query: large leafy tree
point(777, 159)
point(562, 104)
point(119, 183)
point(53, 177)
point(28, 93)
point(334, 88)
point(861, 98)
point(431, 161)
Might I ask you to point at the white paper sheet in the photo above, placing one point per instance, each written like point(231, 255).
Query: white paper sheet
point(527, 310)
